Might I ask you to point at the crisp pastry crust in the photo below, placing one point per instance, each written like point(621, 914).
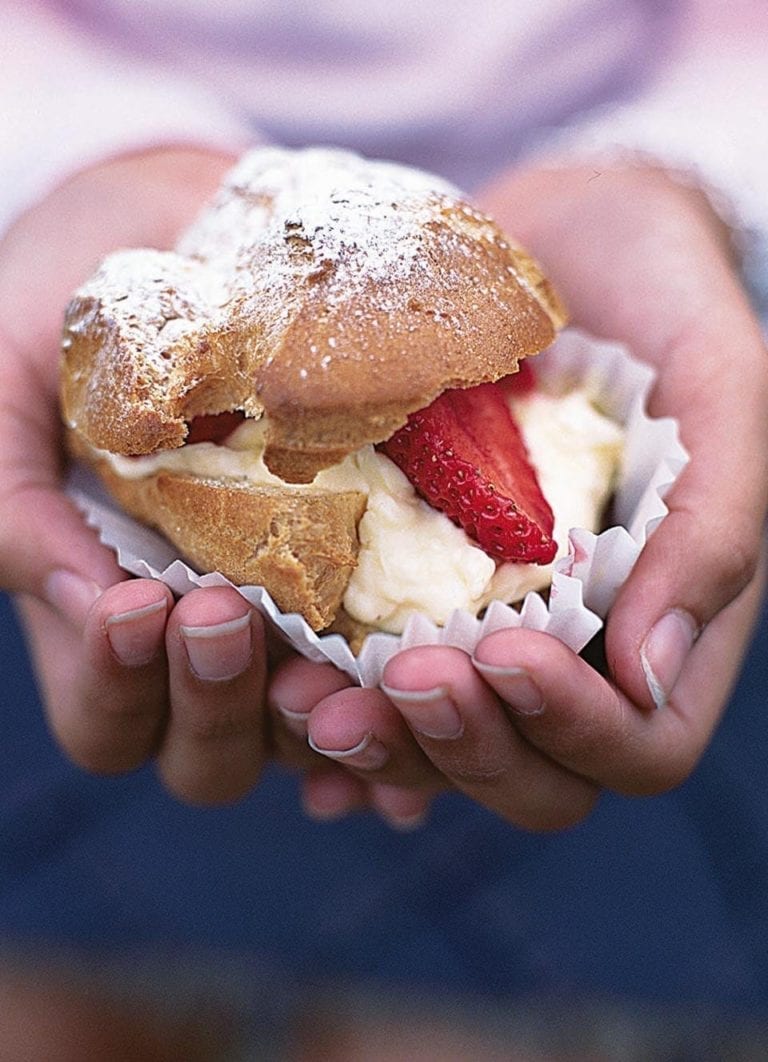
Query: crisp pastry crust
point(302, 548)
point(333, 293)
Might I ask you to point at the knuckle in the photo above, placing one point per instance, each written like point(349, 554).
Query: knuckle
point(535, 807)
point(661, 775)
point(206, 726)
point(473, 772)
point(736, 561)
point(707, 562)
point(584, 744)
point(727, 559)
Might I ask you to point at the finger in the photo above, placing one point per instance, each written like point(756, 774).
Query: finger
point(361, 730)
point(297, 685)
point(705, 552)
point(695, 325)
point(107, 690)
point(577, 718)
point(45, 547)
point(329, 793)
point(403, 809)
point(460, 723)
point(214, 743)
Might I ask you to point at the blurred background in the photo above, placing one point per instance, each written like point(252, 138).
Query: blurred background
point(642, 933)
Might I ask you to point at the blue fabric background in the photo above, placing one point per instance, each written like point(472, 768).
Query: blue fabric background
point(660, 899)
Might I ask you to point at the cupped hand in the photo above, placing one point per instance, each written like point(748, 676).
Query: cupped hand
point(528, 728)
point(127, 674)
point(642, 257)
point(124, 673)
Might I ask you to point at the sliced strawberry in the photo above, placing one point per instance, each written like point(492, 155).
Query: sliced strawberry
point(214, 427)
point(465, 455)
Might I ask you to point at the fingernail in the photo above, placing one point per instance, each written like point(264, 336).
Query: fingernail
point(135, 636)
point(664, 652)
point(368, 754)
point(429, 712)
point(71, 594)
point(220, 652)
point(515, 686)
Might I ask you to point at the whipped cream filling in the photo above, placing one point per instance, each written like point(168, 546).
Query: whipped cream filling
point(576, 451)
point(412, 557)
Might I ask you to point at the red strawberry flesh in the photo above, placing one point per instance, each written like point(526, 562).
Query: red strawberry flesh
point(466, 456)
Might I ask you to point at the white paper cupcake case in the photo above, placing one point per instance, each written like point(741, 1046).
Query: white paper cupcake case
point(585, 582)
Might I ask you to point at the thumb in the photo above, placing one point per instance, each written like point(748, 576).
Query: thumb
point(705, 553)
point(46, 549)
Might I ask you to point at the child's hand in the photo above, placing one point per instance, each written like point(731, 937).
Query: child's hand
point(529, 729)
point(125, 675)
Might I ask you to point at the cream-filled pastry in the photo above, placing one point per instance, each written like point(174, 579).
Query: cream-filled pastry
point(343, 332)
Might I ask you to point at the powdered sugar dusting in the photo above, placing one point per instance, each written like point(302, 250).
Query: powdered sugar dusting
point(154, 298)
point(334, 201)
point(143, 302)
point(280, 216)
point(308, 267)
point(316, 214)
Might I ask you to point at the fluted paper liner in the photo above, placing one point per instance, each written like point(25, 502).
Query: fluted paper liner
point(584, 584)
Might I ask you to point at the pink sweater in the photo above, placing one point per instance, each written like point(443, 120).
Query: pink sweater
point(459, 86)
